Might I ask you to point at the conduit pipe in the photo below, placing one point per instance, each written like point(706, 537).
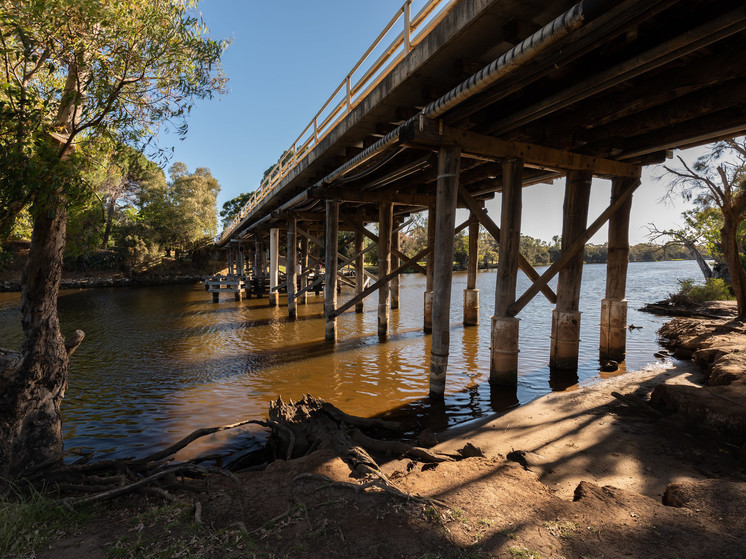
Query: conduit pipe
point(577, 16)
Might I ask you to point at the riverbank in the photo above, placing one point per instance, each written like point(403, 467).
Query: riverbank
point(101, 280)
point(595, 472)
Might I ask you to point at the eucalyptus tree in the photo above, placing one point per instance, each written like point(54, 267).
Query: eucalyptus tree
point(74, 70)
point(718, 180)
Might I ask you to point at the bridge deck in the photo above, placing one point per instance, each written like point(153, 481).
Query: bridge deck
point(643, 77)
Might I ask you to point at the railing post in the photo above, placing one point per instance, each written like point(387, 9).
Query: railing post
point(407, 26)
point(349, 92)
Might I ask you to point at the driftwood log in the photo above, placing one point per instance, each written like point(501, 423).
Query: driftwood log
point(312, 424)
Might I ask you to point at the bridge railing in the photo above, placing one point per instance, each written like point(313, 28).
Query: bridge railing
point(382, 56)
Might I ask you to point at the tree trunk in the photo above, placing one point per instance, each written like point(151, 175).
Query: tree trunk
point(107, 229)
point(730, 249)
point(31, 392)
point(706, 271)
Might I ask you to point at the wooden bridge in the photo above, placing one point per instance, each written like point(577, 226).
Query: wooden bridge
point(459, 100)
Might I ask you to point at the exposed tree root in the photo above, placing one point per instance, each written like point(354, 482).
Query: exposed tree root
point(317, 424)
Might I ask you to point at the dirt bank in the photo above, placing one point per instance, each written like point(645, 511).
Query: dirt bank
point(596, 472)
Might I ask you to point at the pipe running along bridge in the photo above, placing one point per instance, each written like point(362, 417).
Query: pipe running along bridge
point(459, 101)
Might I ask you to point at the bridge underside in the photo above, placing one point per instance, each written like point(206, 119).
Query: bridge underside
point(635, 80)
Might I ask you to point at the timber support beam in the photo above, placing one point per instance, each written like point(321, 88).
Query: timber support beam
point(431, 133)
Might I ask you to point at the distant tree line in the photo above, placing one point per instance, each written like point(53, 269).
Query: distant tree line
point(130, 215)
point(536, 251)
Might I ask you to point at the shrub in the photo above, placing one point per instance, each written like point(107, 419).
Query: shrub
point(714, 289)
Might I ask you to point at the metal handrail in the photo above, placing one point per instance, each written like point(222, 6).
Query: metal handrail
point(414, 30)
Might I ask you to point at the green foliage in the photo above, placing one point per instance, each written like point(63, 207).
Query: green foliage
point(714, 289)
point(535, 251)
point(232, 207)
point(22, 226)
point(76, 71)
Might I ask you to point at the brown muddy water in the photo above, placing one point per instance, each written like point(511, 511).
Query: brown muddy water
point(159, 362)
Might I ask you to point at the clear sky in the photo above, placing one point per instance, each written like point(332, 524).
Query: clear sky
point(286, 57)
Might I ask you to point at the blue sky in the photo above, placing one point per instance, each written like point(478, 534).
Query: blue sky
point(286, 57)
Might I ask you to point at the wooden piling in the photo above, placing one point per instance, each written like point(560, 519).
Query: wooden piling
point(230, 262)
point(359, 270)
point(445, 217)
point(566, 317)
point(613, 343)
point(395, 245)
point(504, 336)
point(291, 268)
point(385, 226)
point(302, 298)
point(428, 309)
point(471, 293)
point(274, 266)
point(330, 263)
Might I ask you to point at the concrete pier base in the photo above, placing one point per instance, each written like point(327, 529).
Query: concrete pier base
point(428, 312)
point(471, 307)
point(504, 351)
point(274, 299)
point(565, 340)
point(613, 329)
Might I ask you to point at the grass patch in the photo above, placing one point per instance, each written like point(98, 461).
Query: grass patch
point(564, 530)
point(29, 523)
point(523, 553)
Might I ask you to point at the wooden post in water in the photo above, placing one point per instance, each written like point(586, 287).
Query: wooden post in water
point(249, 268)
point(330, 263)
point(504, 337)
point(395, 245)
point(230, 261)
point(291, 269)
point(445, 219)
point(274, 266)
point(614, 306)
point(428, 310)
point(238, 294)
point(258, 265)
point(385, 225)
point(565, 338)
point(471, 293)
point(304, 268)
point(359, 271)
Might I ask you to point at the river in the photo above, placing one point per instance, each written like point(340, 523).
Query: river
point(159, 362)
